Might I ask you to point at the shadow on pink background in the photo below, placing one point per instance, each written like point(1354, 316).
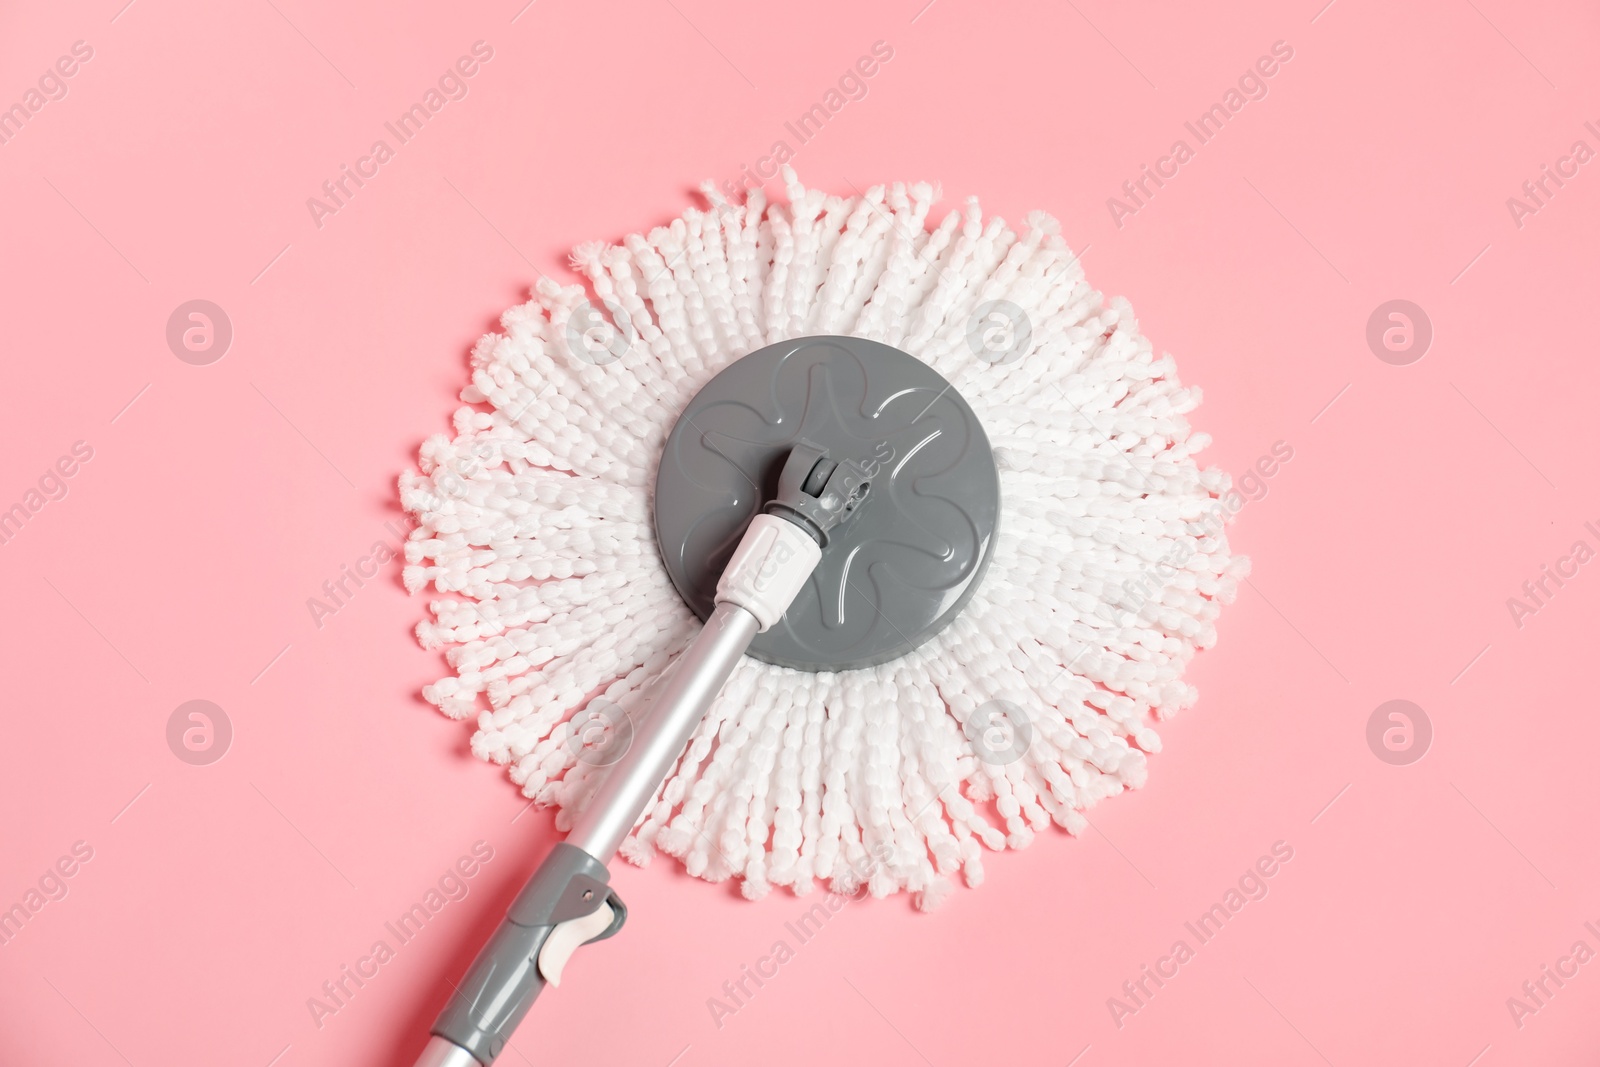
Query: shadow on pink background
point(219, 498)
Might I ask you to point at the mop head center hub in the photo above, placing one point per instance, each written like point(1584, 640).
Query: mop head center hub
point(906, 565)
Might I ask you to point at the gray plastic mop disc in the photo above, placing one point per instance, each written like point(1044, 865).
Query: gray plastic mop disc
point(903, 568)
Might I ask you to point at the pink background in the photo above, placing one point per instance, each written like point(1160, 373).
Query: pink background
point(179, 564)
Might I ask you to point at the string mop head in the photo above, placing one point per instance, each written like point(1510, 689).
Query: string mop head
point(1109, 568)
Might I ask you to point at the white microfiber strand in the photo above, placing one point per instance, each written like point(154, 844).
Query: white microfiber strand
point(1038, 701)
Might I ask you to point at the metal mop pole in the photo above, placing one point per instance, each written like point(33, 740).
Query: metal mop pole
point(568, 901)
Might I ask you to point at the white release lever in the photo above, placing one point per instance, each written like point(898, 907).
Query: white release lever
point(566, 937)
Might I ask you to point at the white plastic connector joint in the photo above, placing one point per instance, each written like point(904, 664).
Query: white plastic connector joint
point(768, 568)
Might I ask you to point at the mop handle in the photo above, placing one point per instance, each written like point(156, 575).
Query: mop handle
point(568, 901)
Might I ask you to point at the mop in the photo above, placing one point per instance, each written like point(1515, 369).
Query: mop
point(809, 544)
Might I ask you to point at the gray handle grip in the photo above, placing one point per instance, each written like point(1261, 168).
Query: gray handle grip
point(504, 980)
